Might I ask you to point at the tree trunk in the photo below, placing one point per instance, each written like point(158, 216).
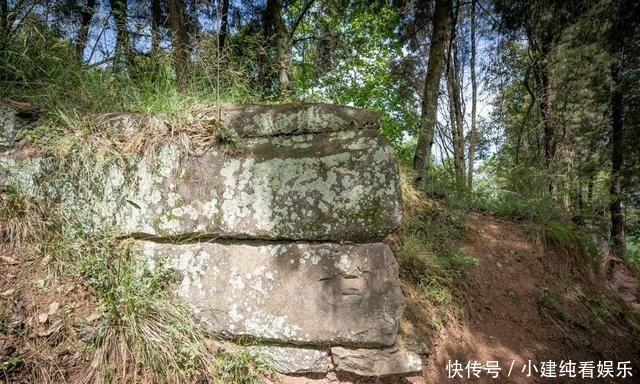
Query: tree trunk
point(618, 246)
point(473, 135)
point(275, 25)
point(541, 72)
point(86, 14)
point(457, 118)
point(431, 90)
point(180, 42)
point(156, 22)
point(122, 46)
point(222, 33)
point(4, 17)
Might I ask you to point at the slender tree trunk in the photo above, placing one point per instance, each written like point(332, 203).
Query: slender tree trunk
point(86, 14)
point(123, 53)
point(224, 17)
point(283, 45)
point(473, 135)
point(180, 42)
point(541, 72)
point(431, 90)
point(457, 118)
point(4, 17)
point(618, 246)
point(156, 22)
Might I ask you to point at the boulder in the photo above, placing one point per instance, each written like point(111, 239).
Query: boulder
point(328, 186)
point(296, 293)
point(376, 362)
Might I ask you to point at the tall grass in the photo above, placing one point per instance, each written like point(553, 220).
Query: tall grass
point(37, 65)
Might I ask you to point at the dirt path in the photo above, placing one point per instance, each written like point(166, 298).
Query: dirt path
point(504, 321)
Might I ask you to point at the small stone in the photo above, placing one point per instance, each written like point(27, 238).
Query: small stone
point(376, 362)
point(43, 317)
point(93, 317)
point(331, 376)
point(53, 308)
point(8, 292)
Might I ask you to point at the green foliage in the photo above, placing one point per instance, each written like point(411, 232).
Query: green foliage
point(41, 66)
point(241, 367)
point(358, 65)
point(633, 254)
point(10, 364)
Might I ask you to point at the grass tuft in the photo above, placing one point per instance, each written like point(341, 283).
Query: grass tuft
point(21, 220)
point(143, 331)
point(241, 367)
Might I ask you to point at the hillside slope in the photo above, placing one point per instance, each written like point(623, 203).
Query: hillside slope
point(523, 304)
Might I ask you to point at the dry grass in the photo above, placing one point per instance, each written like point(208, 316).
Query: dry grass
point(122, 134)
point(21, 220)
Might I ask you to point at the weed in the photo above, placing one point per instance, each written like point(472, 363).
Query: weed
point(144, 330)
point(10, 364)
point(241, 367)
point(21, 219)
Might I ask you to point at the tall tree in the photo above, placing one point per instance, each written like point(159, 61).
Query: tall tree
point(224, 19)
point(622, 28)
point(473, 134)
point(4, 20)
point(123, 52)
point(429, 107)
point(180, 41)
point(276, 29)
point(156, 23)
point(543, 24)
point(86, 14)
point(454, 85)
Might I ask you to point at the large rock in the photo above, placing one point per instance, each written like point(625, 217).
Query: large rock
point(376, 362)
point(329, 186)
point(296, 293)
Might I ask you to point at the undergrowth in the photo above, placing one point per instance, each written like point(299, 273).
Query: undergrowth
point(141, 332)
point(141, 324)
point(429, 251)
point(40, 67)
point(588, 318)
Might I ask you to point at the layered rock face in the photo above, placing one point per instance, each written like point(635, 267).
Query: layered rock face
point(279, 240)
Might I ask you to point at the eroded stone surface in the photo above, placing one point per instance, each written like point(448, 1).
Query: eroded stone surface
point(376, 362)
point(299, 293)
point(331, 186)
point(294, 360)
point(287, 119)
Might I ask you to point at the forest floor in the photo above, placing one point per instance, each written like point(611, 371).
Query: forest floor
point(523, 304)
